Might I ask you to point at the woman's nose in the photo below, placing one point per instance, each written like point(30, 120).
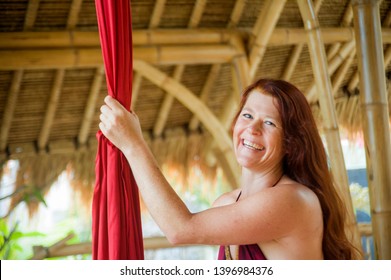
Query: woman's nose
point(255, 128)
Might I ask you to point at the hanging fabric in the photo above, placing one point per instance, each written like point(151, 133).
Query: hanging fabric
point(116, 220)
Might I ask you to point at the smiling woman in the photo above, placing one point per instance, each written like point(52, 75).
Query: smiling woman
point(286, 206)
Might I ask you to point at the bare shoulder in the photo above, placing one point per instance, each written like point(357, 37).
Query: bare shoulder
point(226, 198)
point(296, 192)
point(296, 199)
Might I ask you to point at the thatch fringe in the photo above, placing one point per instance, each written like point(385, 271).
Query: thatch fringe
point(34, 178)
point(178, 153)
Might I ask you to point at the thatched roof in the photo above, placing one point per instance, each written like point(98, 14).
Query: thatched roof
point(52, 82)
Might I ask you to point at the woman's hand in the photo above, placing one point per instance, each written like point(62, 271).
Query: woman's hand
point(120, 126)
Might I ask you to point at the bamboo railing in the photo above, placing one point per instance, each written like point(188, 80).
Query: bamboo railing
point(62, 249)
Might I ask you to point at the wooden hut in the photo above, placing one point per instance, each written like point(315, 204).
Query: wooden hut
point(192, 59)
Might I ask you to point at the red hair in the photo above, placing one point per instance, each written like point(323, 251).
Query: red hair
point(305, 161)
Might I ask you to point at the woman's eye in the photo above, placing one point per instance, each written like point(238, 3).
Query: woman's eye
point(269, 123)
point(247, 116)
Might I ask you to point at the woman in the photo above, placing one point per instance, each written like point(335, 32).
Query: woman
point(286, 206)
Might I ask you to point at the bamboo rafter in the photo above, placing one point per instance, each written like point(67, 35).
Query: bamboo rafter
point(296, 51)
point(233, 101)
point(178, 72)
point(10, 109)
point(31, 14)
point(51, 109)
point(91, 105)
point(74, 11)
point(262, 32)
point(187, 98)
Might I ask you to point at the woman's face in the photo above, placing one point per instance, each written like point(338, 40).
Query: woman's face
point(258, 134)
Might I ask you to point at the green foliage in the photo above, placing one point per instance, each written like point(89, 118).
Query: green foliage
point(10, 240)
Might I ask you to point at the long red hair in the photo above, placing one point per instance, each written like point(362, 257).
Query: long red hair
point(305, 161)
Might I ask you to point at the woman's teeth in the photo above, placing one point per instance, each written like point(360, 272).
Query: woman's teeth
point(253, 145)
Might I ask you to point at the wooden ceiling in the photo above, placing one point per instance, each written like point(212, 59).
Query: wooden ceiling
point(186, 79)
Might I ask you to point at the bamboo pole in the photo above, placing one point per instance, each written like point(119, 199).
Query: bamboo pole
point(292, 62)
point(236, 13)
point(178, 72)
point(31, 14)
point(262, 31)
point(41, 252)
point(341, 72)
point(73, 15)
point(354, 81)
point(213, 154)
point(165, 108)
point(157, 13)
point(147, 37)
point(150, 243)
point(333, 65)
point(330, 124)
point(190, 101)
point(10, 108)
point(51, 109)
point(90, 108)
point(136, 84)
point(297, 49)
point(92, 57)
point(375, 117)
point(212, 76)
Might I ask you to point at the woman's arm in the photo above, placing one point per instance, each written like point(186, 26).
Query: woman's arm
point(262, 217)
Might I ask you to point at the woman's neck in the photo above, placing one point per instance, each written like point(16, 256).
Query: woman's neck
point(252, 182)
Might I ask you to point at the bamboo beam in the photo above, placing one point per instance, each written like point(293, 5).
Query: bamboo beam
point(150, 243)
point(165, 108)
point(335, 56)
point(178, 72)
point(74, 39)
point(375, 115)
point(41, 252)
point(330, 123)
point(341, 72)
point(236, 13)
point(91, 105)
point(292, 62)
point(262, 32)
point(190, 101)
point(51, 109)
point(212, 76)
point(333, 65)
point(354, 81)
point(212, 154)
point(240, 80)
point(346, 22)
point(240, 69)
point(157, 13)
point(31, 14)
point(9, 109)
point(73, 15)
point(296, 51)
point(136, 84)
point(92, 57)
point(197, 13)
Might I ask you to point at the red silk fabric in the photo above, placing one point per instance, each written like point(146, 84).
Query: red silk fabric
point(116, 220)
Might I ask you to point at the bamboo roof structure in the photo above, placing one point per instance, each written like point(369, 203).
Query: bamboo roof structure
point(192, 58)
